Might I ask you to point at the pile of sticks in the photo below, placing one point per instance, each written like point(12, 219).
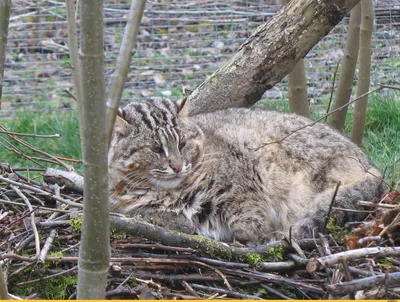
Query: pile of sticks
point(39, 228)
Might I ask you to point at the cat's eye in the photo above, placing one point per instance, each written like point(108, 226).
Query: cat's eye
point(158, 150)
point(182, 144)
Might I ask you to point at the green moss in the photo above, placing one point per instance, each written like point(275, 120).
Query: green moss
point(118, 234)
point(309, 11)
point(254, 258)
point(76, 222)
point(56, 288)
point(22, 291)
point(276, 253)
point(212, 248)
point(386, 264)
point(336, 231)
point(59, 288)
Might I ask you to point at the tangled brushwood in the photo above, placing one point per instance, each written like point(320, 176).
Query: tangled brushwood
point(40, 224)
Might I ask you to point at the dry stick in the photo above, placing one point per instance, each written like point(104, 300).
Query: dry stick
point(275, 279)
point(329, 261)
point(29, 146)
point(14, 297)
point(394, 222)
point(189, 289)
point(352, 210)
point(121, 291)
point(204, 246)
point(46, 160)
point(217, 271)
point(34, 229)
point(282, 266)
point(321, 118)
point(32, 134)
point(46, 247)
point(393, 279)
point(24, 205)
point(48, 277)
point(177, 278)
point(332, 89)
point(70, 94)
point(20, 153)
point(69, 159)
point(154, 246)
point(221, 263)
point(37, 190)
point(330, 206)
point(377, 205)
point(346, 270)
point(229, 293)
point(369, 240)
point(275, 292)
point(71, 180)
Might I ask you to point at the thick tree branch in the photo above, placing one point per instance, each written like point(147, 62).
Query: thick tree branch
point(268, 55)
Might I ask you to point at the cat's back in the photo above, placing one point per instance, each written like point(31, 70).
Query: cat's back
point(271, 129)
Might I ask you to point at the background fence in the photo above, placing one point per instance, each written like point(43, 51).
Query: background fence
point(180, 43)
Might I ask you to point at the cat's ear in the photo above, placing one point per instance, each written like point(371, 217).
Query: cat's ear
point(120, 121)
point(182, 108)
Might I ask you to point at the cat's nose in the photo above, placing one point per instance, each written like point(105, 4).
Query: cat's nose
point(176, 167)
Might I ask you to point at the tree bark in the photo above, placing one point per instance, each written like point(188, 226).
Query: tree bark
point(364, 74)
point(94, 252)
point(268, 55)
point(347, 69)
point(297, 86)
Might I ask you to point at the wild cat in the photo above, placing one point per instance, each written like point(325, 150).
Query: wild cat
point(209, 175)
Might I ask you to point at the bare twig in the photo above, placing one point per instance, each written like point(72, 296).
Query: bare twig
point(68, 271)
point(329, 261)
point(321, 118)
point(393, 279)
point(189, 289)
point(283, 266)
point(378, 205)
point(47, 245)
point(154, 246)
point(32, 134)
point(71, 180)
point(24, 205)
point(330, 206)
point(275, 279)
point(31, 188)
point(229, 293)
point(33, 223)
point(34, 149)
point(332, 89)
point(275, 292)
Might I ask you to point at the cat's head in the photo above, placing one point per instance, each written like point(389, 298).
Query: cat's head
point(153, 146)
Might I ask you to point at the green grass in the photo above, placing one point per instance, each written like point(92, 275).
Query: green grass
point(382, 134)
point(63, 123)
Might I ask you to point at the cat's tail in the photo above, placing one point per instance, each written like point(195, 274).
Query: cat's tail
point(345, 206)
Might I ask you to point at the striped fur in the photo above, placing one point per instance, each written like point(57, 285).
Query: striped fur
point(206, 175)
